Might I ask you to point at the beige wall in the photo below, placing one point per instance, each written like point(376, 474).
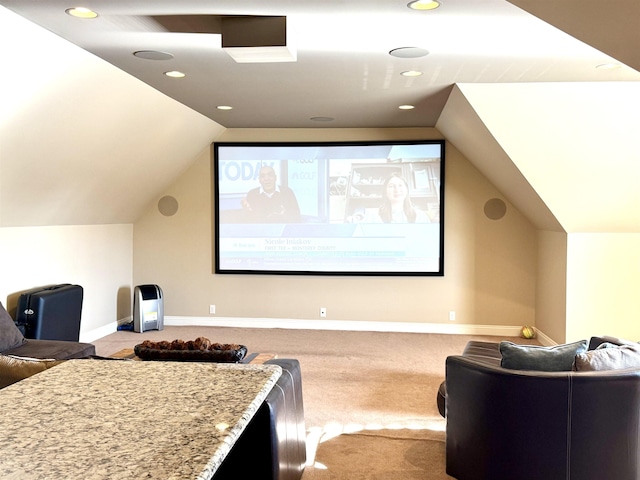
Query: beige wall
point(603, 278)
point(490, 265)
point(551, 287)
point(98, 257)
point(588, 285)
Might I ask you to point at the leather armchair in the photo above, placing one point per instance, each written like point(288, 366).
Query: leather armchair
point(526, 425)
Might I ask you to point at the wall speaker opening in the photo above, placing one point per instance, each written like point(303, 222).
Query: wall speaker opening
point(168, 206)
point(495, 209)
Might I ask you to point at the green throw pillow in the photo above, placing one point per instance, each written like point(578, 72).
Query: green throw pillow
point(546, 359)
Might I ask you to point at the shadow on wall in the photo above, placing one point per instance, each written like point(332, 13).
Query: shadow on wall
point(124, 304)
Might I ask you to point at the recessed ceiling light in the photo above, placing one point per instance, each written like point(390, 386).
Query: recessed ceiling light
point(153, 55)
point(406, 107)
point(322, 119)
point(409, 52)
point(423, 5)
point(81, 12)
point(175, 74)
point(224, 107)
point(411, 73)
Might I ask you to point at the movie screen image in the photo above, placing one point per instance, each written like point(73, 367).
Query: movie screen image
point(355, 208)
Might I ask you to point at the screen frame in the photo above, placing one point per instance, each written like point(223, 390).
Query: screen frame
point(311, 272)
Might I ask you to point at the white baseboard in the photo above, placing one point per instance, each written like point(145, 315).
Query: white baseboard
point(97, 333)
point(402, 327)
point(352, 325)
point(544, 339)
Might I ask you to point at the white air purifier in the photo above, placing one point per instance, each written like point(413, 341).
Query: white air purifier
point(148, 308)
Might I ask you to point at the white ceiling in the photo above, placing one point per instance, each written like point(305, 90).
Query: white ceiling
point(343, 68)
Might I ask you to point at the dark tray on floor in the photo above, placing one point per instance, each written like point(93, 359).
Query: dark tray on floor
point(220, 356)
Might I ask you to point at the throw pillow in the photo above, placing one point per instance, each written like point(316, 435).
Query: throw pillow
point(13, 369)
point(546, 359)
point(10, 336)
point(611, 357)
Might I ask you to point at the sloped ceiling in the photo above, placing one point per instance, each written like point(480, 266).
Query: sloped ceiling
point(85, 143)
point(344, 73)
point(611, 27)
point(567, 160)
point(583, 167)
point(462, 125)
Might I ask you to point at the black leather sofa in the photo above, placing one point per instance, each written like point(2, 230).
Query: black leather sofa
point(58, 349)
point(18, 355)
point(12, 342)
point(273, 445)
point(531, 425)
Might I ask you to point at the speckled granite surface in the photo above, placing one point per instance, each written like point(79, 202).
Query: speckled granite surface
point(100, 419)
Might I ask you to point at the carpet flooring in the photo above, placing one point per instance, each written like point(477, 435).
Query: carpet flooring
point(380, 455)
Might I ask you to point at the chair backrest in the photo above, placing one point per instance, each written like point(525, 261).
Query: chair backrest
point(509, 424)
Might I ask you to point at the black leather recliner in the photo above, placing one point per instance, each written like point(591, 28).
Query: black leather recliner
point(527, 425)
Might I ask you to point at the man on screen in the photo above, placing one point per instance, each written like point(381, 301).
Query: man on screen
point(270, 202)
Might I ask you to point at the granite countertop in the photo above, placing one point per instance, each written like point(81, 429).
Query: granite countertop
point(118, 419)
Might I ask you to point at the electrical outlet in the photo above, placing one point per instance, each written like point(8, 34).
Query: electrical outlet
point(323, 312)
point(452, 316)
point(212, 309)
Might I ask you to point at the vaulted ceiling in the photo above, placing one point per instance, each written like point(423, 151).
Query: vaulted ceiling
point(82, 133)
point(344, 70)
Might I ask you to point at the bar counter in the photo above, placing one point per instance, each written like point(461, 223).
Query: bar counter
point(118, 419)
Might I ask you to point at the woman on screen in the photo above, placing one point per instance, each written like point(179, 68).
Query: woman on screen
point(397, 206)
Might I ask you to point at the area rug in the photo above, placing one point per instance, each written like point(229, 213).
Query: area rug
point(380, 455)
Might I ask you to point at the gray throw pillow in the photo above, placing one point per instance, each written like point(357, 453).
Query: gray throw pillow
point(558, 358)
point(611, 357)
point(10, 336)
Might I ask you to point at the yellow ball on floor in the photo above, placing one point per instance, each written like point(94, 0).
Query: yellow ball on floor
point(528, 332)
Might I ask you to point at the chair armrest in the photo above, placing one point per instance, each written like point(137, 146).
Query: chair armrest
point(519, 414)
